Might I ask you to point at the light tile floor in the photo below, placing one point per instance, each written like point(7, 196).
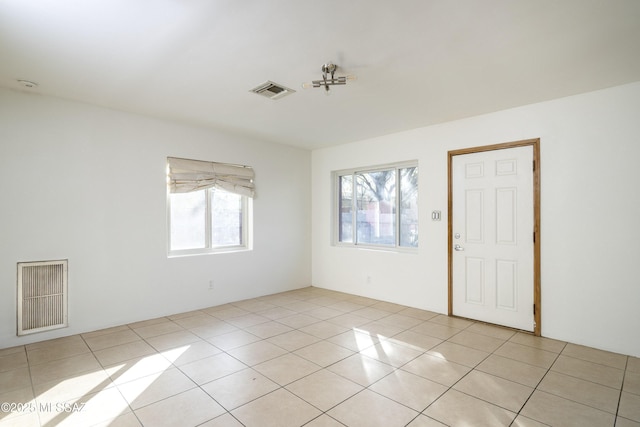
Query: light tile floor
point(316, 358)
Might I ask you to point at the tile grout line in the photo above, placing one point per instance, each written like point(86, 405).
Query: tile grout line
point(586, 380)
point(489, 355)
point(281, 387)
point(323, 412)
point(394, 368)
point(33, 389)
point(370, 321)
point(624, 377)
point(538, 384)
point(114, 384)
point(326, 367)
point(460, 379)
point(326, 412)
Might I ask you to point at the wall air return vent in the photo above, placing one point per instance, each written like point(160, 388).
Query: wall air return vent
point(272, 90)
point(42, 296)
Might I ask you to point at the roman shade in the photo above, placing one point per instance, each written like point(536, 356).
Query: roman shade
point(187, 175)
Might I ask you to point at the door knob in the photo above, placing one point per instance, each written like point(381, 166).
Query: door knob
point(458, 248)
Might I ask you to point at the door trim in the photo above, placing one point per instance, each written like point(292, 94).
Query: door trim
point(535, 143)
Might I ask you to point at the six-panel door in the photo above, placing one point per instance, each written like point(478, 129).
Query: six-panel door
point(492, 226)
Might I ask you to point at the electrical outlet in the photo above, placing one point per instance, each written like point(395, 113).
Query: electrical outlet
point(210, 285)
point(369, 280)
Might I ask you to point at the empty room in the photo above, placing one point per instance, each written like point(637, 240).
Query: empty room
point(341, 213)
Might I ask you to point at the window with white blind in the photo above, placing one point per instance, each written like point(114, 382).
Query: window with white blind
point(209, 206)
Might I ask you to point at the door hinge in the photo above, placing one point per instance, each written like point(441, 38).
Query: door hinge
point(534, 237)
point(534, 165)
point(534, 309)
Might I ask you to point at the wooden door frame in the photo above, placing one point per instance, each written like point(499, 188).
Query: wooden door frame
point(535, 143)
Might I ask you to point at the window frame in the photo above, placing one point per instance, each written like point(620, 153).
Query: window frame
point(246, 226)
point(336, 224)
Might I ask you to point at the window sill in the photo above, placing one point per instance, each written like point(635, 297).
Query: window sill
point(197, 252)
point(375, 248)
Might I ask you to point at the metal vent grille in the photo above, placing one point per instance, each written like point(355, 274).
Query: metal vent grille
point(272, 90)
point(42, 296)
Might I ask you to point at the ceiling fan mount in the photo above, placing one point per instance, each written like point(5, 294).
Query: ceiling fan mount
point(328, 78)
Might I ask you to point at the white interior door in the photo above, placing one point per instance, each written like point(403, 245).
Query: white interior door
point(493, 237)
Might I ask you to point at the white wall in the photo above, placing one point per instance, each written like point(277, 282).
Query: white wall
point(590, 213)
point(112, 225)
point(87, 184)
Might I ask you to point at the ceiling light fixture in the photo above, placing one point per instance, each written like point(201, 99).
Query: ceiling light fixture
point(329, 78)
point(28, 84)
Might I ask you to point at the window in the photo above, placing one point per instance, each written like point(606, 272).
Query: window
point(209, 206)
point(207, 219)
point(378, 206)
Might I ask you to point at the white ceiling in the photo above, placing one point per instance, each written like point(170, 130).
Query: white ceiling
point(418, 62)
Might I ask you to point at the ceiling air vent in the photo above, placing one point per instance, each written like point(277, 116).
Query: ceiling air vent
point(272, 90)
